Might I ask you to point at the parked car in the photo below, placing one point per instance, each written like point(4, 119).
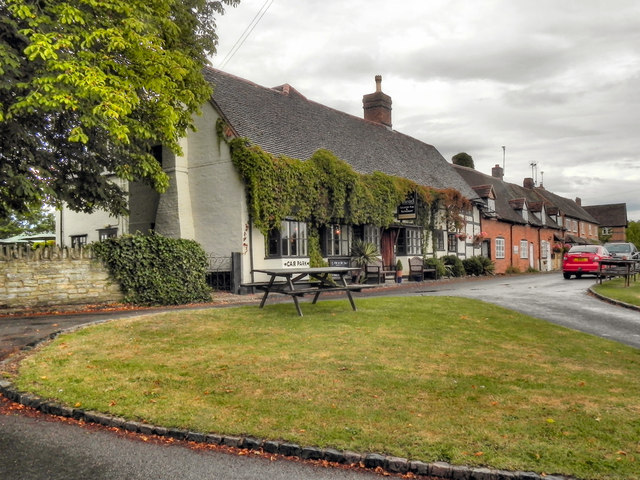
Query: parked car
point(581, 259)
point(623, 250)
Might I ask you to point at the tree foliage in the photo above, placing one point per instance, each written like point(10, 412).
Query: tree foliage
point(463, 159)
point(30, 223)
point(88, 87)
point(633, 233)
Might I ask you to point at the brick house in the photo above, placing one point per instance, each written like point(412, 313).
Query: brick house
point(526, 225)
point(612, 219)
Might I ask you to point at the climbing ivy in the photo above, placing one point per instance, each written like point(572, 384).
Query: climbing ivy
point(324, 190)
point(156, 270)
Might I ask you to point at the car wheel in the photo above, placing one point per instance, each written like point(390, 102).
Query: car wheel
point(566, 275)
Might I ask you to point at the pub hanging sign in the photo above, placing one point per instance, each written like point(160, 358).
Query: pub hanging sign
point(407, 209)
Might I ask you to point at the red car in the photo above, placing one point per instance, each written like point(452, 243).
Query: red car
point(583, 259)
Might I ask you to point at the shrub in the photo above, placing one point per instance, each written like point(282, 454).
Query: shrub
point(472, 266)
point(457, 269)
point(488, 267)
point(438, 264)
point(478, 265)
point(512, 269)
point(156, 270)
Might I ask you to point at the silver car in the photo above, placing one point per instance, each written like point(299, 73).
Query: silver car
point(622, 250)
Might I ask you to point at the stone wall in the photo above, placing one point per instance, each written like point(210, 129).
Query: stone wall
point(52, 276)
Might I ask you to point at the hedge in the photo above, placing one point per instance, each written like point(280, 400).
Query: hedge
point(156, 270)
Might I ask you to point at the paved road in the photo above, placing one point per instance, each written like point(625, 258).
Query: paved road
point(551, 297)
point(34, 448)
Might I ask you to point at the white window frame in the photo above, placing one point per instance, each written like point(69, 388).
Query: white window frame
point(524, 249)
point(500, 247)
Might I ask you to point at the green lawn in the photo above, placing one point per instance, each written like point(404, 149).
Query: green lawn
point(431, 379)
point(616, 290)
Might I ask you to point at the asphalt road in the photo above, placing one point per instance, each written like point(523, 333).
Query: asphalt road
point(39, 448)
point(552, 298)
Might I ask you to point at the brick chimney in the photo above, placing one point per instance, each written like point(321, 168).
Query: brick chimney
point(528, 183)
point(377, 106)
point(497, 172)
point(578, 201)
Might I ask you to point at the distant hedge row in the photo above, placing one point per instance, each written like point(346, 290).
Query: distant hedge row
point(156, 270)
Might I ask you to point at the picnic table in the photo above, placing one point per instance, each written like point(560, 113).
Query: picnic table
point(619, 268)
point(296, 283)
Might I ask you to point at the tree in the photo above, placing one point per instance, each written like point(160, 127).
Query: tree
point(89, 87)
point(463, 159)
point(633, 233)
point(31, 223)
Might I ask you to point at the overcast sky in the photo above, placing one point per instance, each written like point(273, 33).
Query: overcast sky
point(557, 82)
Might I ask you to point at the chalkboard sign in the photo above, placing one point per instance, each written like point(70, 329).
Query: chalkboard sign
point(339, 262)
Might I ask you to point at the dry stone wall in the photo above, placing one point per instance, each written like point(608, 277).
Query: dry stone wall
point(53, 276)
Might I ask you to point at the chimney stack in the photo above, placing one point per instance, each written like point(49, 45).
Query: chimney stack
point(528, 183)
point(377, 106)
point(497, 172)
point(578, 201)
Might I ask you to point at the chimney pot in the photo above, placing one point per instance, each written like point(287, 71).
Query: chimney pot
point(528, 183)
point(377, 105)
point(497, 172)
point(378, 83)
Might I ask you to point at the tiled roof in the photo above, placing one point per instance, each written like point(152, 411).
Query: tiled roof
point(484, 191)
point(504, 211)
point(567, 206)
point(510, 198)
point(284, 122)
point(612, 215)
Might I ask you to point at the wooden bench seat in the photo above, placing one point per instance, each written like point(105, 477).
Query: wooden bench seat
point(418, 269)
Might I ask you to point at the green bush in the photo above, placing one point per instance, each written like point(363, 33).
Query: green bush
point(512, 269)
point(156, 270)
point(436, 263)
point(478, 265)
point(488, 267)
point(472, 266)
point(457, 268)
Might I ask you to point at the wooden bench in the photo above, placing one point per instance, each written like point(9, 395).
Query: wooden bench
point(378, 271)
point(417, 269)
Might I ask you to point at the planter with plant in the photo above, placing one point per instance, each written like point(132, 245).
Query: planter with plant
point(362, 254)
point(399, 271)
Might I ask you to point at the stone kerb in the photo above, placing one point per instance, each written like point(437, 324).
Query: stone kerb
point(48, 276)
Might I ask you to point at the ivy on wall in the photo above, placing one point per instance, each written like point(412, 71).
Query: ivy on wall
point(324, 190)
point(156, 270)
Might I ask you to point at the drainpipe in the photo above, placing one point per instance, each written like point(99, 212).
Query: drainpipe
point(251, 247)
point(511, 244)
point(539, 250)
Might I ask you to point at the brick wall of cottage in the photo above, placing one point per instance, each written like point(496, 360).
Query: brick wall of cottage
point(53, 276)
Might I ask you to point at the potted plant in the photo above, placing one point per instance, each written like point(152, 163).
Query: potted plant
point(399, 271)
point(362, 254)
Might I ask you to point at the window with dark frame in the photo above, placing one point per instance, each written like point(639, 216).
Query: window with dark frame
point(105, 233)
point(440, 244)
point(337, 240)
point(289, 241)
point(78, 241)
point(452, 242)
point(410, 241)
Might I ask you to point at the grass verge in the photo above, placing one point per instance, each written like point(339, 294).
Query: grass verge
point(616, 290)
point(432, 379)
